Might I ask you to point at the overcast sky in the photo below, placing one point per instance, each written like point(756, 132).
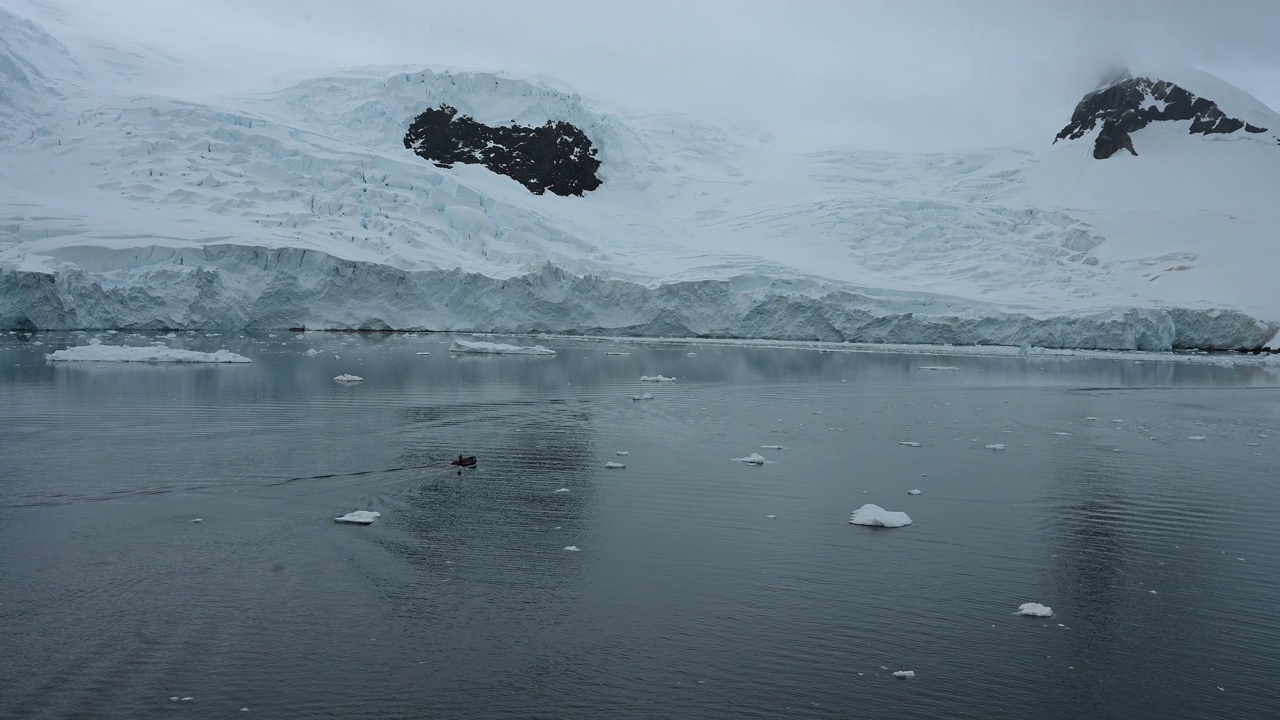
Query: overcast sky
point(893, 74)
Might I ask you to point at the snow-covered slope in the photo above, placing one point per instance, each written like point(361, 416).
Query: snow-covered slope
point(303, 207)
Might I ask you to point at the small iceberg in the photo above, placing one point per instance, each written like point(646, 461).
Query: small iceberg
point(614, 465)
point(909, 444)
point(643, 396)
point(752, 459)
point(656, 378)
point(996, 446)
point(1035, 610)
point(424, 353)
point(563, 490)
point(572, 548)
point(876, 516)
point(913, 491)
point(904, 674)
point(151, 354)
point(312, 352)
point(1197, 437)
point(344, 378)
point(771, 517)
point(359, 517)
point(772, 447)
point(615, 353)
point(622, 452)
point(491, 348)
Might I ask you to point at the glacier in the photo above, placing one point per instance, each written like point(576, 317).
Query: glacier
point(302, 208)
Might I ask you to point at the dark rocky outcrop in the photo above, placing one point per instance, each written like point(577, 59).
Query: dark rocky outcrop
point(556, 157)
point(1119, 109)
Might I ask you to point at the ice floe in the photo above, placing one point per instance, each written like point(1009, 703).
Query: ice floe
point(151, 354)
point(1035, 610)
point(359, 517)
point(1197, 437)
point(904, 674)
point(491, 348)
point(572, 548)
point(771, 517)
point(656, 378)
point(876, 516)
point(642, 396)
point(424, 353)
point(939, 367)
point(313, 352)
point(614, 465)
point(996, 446)
point(908, 443)
point(563, 490)
point(622, 452)
point(772, 447)
point(752, 459)
point(344, 378)
point(913, 491)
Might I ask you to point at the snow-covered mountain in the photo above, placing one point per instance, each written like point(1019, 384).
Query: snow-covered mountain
point(437, 200)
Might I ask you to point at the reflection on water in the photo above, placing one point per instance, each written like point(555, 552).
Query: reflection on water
point(685, 599)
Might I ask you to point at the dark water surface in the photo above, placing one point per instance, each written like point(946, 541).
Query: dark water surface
point(1156, 551)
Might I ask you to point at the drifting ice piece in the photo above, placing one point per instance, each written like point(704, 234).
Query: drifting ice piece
point(489, 348)
point(348, 379)
point(643, 396)
point(656, 378)
point(905, 674)
point(752, 459)
point(1035, 610)
point(359, 517)
point(996, 446)
point(614, 465)
point(877, 516)
point(125, 353)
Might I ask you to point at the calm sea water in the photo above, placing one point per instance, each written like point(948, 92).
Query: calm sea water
point(685, 599)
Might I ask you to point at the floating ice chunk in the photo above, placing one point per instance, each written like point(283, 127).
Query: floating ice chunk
point(344, 378)
point(187, 699)
point(95, 341)
point(424, 353)
point(623, 452)
point(913, 491)
point(771, 517)
point(1035, 610)
point(904, 674)
point(313, 352)
point(1197, 437)
point(244, 709)
point(691, 354)
point(877, 516)
point(642, 396)
point(491, 348)
point(197, 520)
point(174, 698)
point(614, 465)
point(1062, 433)
point(126, 353)
point(563, 490)
point(614, 353)
point(772, 447)
point(1091, 418)
point(656, 378)
point(359, 517)
point(752, 459)
point(996, 446)
point(939, 367)
point(572, 548)
point(908, 443)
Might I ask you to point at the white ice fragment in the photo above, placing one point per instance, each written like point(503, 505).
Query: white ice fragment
point(491, 348)
point(313, 352)
point(1197, 437)
point(197, 520)
point(615, 353)
point(752, 459)
point(1091, 418)
point(692, 354)
point(344, 378)
point(95, 341)
point(563, 490)
point(174, 698)
point(772, 447)
point(1035, 610)
point(424, 353)
point(126, 353)
point(187, 698)
point(244, 709)
point(996, 446)
point(656, 378)
point(1062, 433)
point(623, 452)
point(909, 444)
point(913, 491)
point(614, 465)
point(877, 516)
point(904, 674)
point(572, 548)
point(771, 517)
point(642, 396)
point(359, 517)
point(939, 367)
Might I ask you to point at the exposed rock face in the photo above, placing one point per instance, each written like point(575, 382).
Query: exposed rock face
point(1135, 102)
point(556, 157)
